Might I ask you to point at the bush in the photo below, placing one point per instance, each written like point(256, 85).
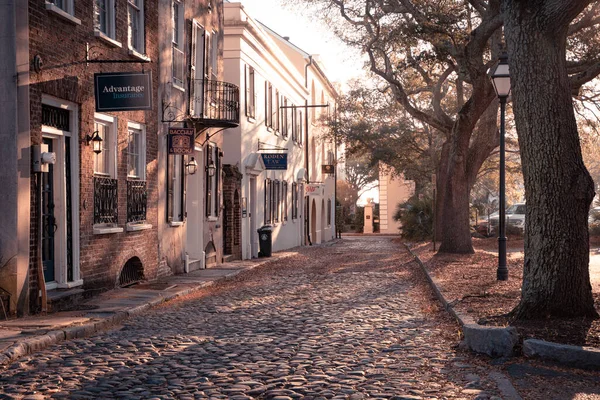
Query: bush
point(416, 218)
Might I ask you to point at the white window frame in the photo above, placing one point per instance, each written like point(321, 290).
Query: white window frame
point(110, 33)
point(108, 144)
point(141, 161)
point(66, 10)
point(250, 91)
point(140, 38)
point(178, 189)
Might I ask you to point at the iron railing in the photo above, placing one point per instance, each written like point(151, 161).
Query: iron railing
point(136, 201)
point(106, 210)
point(215, 103)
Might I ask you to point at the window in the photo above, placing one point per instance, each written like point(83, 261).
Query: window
point(178, 66)
point(328, 212)
point(197, 70)
point(104, 17)
point(267, 205)
point(250, 97)
point(294, 200)
point(175, 188)
point(213, 167)
point(284, 122)
point(285, 200)
point(105, 162)
point(135, 24)
point(136, 151)
point(268, 104)
point(214, 56)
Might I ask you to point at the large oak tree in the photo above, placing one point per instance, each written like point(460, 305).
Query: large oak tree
point(558, 187)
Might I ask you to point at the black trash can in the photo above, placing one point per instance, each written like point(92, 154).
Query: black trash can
point(264, 239)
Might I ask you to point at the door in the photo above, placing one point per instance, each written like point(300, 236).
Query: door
point(49, 225)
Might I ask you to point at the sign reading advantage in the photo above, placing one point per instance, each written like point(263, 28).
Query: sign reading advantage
point(123, 91)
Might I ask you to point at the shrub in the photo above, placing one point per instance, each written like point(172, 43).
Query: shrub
point(416, 218)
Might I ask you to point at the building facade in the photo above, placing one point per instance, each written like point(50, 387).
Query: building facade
point(272, 148)
point(393, 190)
point(92, 222)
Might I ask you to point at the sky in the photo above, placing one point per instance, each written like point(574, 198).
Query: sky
point(340, 62)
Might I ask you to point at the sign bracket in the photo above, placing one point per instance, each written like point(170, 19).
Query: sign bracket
point(263, 146)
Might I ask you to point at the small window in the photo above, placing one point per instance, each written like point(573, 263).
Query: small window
point(267, 204)
point(175, 197)
point(105, 162)
point(135, 24)
point(136, 151)
point(104, 17)
point(250, 93)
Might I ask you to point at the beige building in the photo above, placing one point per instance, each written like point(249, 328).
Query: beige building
point(393, 190)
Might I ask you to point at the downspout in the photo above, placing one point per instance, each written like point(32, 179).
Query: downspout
point(306, 154)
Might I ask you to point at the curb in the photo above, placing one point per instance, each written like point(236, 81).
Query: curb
point(501, 342)
point(30, 345)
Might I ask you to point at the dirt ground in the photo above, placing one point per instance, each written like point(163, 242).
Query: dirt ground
point(469, 283)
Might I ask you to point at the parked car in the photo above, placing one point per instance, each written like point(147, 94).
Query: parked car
point(515, 216)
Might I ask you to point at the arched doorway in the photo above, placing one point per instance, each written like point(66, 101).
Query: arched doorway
point(313, 221)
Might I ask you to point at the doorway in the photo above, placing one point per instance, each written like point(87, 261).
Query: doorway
point(195, 217)
point(252, 218)
point(49, 222)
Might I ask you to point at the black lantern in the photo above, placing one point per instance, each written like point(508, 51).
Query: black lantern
point(191, 166)
point(96, 142)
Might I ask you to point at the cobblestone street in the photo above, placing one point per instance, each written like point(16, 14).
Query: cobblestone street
point(347, 320)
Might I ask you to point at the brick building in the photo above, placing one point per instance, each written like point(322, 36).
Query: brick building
point(91, 221)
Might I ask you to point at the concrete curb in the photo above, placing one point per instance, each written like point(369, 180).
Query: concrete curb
point(35, 343)
point(500, 342)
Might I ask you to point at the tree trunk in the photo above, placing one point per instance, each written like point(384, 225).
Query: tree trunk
point(558, 187)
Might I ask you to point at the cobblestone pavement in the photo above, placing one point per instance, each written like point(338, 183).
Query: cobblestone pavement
point(349, 320)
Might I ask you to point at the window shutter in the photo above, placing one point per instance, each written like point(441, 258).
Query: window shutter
point(193, 50)
point(183, 189)
point(170, 175)
point(247, 91)
point(218, 183)
point(208, 202)
point(266, 103)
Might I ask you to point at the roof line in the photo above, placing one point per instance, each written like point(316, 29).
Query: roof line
point(282, 38)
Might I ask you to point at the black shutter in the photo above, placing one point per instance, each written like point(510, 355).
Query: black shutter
point(208, 202)
point(218, 183)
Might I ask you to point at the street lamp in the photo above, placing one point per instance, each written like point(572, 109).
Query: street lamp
point(501, 81)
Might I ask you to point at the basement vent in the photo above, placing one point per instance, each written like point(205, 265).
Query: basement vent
point(132, 272)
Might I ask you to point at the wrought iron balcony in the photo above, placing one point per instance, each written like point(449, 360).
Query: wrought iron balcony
point(106, 210)
point(136, 201)
point(215, 104)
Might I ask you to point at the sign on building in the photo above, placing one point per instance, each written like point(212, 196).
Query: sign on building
point(275, 160)
point(181, 140)
point(123, 91)
point(327, 169)
point(314, 189)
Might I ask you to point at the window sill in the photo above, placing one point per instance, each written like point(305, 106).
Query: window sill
point(134, 227)
point(212, 219)
point(105, 38)
point(252, 120)
point(174, 224)
point(70, 285)
point(139, 55)
point(62, 14)
point(178, 87)
point(103, 230)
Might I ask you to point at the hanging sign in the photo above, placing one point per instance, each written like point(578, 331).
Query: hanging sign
point(275, 160)
point(123, 91)
point(181, 140)
point(313, 189)
point(327, 169)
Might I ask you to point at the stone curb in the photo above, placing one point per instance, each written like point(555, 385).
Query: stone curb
point(30, 345)
point(493, 341)
point(500, 342)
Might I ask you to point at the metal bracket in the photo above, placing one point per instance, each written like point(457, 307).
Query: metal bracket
point(263, 146)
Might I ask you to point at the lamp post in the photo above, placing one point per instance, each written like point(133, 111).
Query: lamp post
point(501, 81)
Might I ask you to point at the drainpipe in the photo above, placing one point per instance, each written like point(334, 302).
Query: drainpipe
point(306, 154)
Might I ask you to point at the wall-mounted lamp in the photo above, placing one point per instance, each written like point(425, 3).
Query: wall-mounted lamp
point(211, 169)
point(192, 166)
point(96, 141)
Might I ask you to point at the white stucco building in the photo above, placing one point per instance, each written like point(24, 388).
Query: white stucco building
point(282, 183)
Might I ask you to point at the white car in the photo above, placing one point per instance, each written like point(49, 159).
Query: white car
point(515, 216)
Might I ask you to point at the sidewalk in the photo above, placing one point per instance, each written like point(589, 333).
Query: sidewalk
point(22, 336)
